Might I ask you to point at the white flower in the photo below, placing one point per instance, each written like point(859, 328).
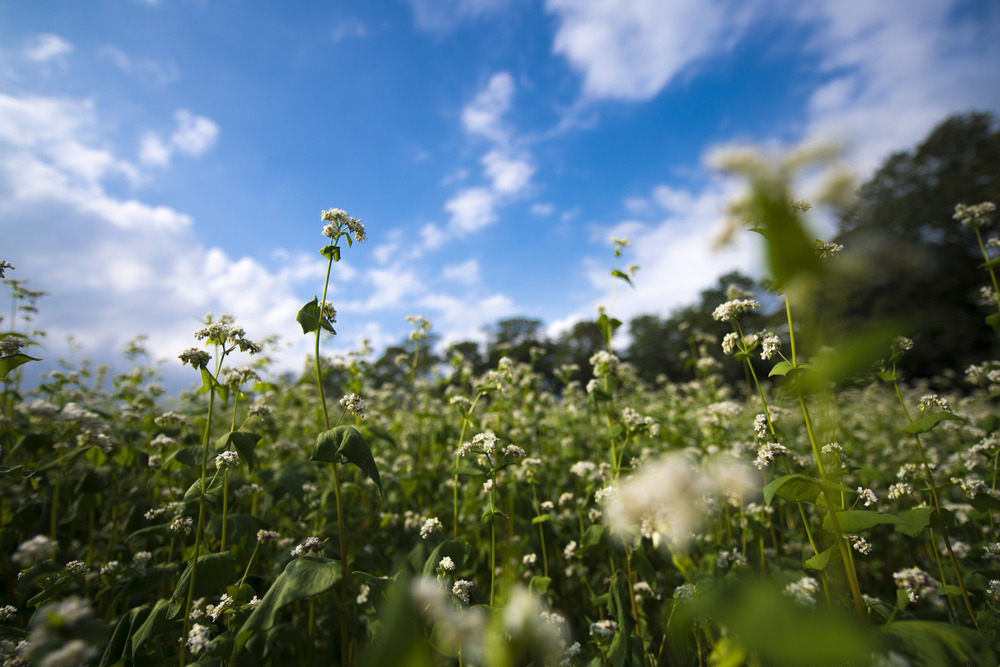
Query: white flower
point(429, 526)
point(462, 590)
point(447, 564)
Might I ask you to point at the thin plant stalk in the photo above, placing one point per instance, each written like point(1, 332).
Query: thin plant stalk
point(342, 538)
point(852, 576)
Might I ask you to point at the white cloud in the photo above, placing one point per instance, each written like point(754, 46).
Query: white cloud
point(632, 49)
point(443, 15)
point(432, 236)
point(542, 209)
point(153, 151)
point(193, 136)
point(466, 272)
point(896, 69)
point(350, 28)
point(471, 210)
point(465, 319)
point(484, 115)
point(508, 169)
point(144, 68)
point(510, 175)
point(117, 266)
point(47, 47)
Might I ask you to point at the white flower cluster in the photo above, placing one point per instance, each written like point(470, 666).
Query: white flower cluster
point(734, 308)
point(309, 545)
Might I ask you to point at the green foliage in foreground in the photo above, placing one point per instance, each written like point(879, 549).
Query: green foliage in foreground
point(828, 515)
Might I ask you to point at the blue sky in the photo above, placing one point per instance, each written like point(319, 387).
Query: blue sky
point(161, 159)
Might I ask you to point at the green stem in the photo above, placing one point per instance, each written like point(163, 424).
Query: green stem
point(342, 538)
point(845, 553)
point(201, 513)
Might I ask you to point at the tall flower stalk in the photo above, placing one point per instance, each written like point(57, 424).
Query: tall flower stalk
point(226, 338)
point(315, 317)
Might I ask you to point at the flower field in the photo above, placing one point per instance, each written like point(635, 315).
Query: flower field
point(826, 513)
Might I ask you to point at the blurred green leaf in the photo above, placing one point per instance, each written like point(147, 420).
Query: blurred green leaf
point(933, 644)
point(624, 276)
point(9, 363)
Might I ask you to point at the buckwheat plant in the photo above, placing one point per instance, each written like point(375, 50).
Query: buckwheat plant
point(975, 218)
point(495, 459)
point(226, 338)
point(341, 443)
point(932, 412)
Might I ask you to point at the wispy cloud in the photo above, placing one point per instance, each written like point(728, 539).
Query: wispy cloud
point(193, 135)
point(443, 15)
point(507, 166)
point(147, 69)
point(632, 49)
point(46, 47)
point(351, 28)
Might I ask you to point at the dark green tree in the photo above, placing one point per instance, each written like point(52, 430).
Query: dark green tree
point(906, 259)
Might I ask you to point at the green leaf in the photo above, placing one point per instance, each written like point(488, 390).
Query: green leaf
point(911, 522)
point(624, 276)
point(781, 368)
point(302, 578)
point(608, 327)
point(346, 443)
point(9, 363)
point(927, 422)
point(122, 635)
point(208, 383)
point(798, 487)
point(244, 442)
point(932, 643)
point(542, 518)
point(155, 624)
point(994, 322)
point(213, 573)
point(539, 585)
point(15, 471)
point(213, 490)
point(189, 456)
point(310, 317)
point(819, 561)
point(332, 252)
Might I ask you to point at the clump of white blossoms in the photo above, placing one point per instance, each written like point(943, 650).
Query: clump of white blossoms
point(868, 496)
point(915, 582)
point(227, 460)
point(354, 404)
point(462, 590)
point(803, 591)
point(974, 216)
point(447, 564)
point(429, 526)
point(734, 308)
point(37, 548)
point(661, 496)
point(340, 223)
point(309, 545)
